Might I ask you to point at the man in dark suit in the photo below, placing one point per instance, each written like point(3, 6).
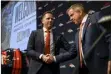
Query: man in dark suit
point(44, 48)
point(89, 31)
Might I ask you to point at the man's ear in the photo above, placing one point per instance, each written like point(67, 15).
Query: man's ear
point(81, 13)
point(42, 21)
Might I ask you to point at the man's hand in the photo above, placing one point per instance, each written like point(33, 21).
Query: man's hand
point(109, 67)
point(44, 58)
point(48, 58)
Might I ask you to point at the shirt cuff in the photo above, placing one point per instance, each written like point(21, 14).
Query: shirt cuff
point(54, 58)
point(40, 57)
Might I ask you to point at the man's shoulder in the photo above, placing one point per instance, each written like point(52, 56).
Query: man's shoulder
point(96, 15)
point(35, 31)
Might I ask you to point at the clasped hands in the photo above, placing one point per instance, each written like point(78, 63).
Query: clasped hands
point(48, 58)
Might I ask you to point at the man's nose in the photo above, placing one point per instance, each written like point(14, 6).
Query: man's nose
point(71, 18)
point(50, 20)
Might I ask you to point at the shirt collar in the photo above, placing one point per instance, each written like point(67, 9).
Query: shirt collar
point(45, 30)
point(84, 18)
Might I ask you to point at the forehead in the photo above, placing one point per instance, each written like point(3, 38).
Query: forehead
point(48, 15)
point(70, 11)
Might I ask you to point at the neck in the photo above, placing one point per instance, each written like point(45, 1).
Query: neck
point(47, 28)
point(83, 16)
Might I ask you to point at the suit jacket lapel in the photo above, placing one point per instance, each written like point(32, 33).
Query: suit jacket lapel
point(77, 39)
point(85, 27)
point(42, 37)
point(54, 40)
point(53, 37)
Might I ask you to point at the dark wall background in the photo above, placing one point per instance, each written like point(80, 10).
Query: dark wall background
point(63, 25)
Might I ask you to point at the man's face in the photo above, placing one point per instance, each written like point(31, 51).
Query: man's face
point(47, 21)
point(75, 16)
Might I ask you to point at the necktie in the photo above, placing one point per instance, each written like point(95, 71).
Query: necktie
point(47, 43)
point(80, 45)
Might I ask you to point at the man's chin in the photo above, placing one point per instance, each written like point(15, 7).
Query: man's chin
point(76, 23)
point(49, 27)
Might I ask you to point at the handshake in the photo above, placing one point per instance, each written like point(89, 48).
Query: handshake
point(48, 58)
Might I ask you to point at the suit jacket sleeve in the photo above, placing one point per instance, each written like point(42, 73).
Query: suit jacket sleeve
point(30, 47)
point(98, 16)
point(109, 48)
point(110, 52)
point(71, 50)
point(92, 33)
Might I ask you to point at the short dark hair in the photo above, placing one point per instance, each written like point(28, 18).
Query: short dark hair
point(47, 12)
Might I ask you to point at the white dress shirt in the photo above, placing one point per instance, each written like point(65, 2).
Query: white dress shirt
point(83, 22)
point(51, 42)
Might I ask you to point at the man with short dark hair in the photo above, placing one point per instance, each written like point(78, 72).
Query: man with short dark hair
point(44, 48)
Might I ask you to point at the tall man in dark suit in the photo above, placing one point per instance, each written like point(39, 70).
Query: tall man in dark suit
point(44, 48)
point(89, 31)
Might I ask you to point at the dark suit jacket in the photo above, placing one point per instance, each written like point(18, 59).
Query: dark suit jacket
point(36, 47)
point(98, 58)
